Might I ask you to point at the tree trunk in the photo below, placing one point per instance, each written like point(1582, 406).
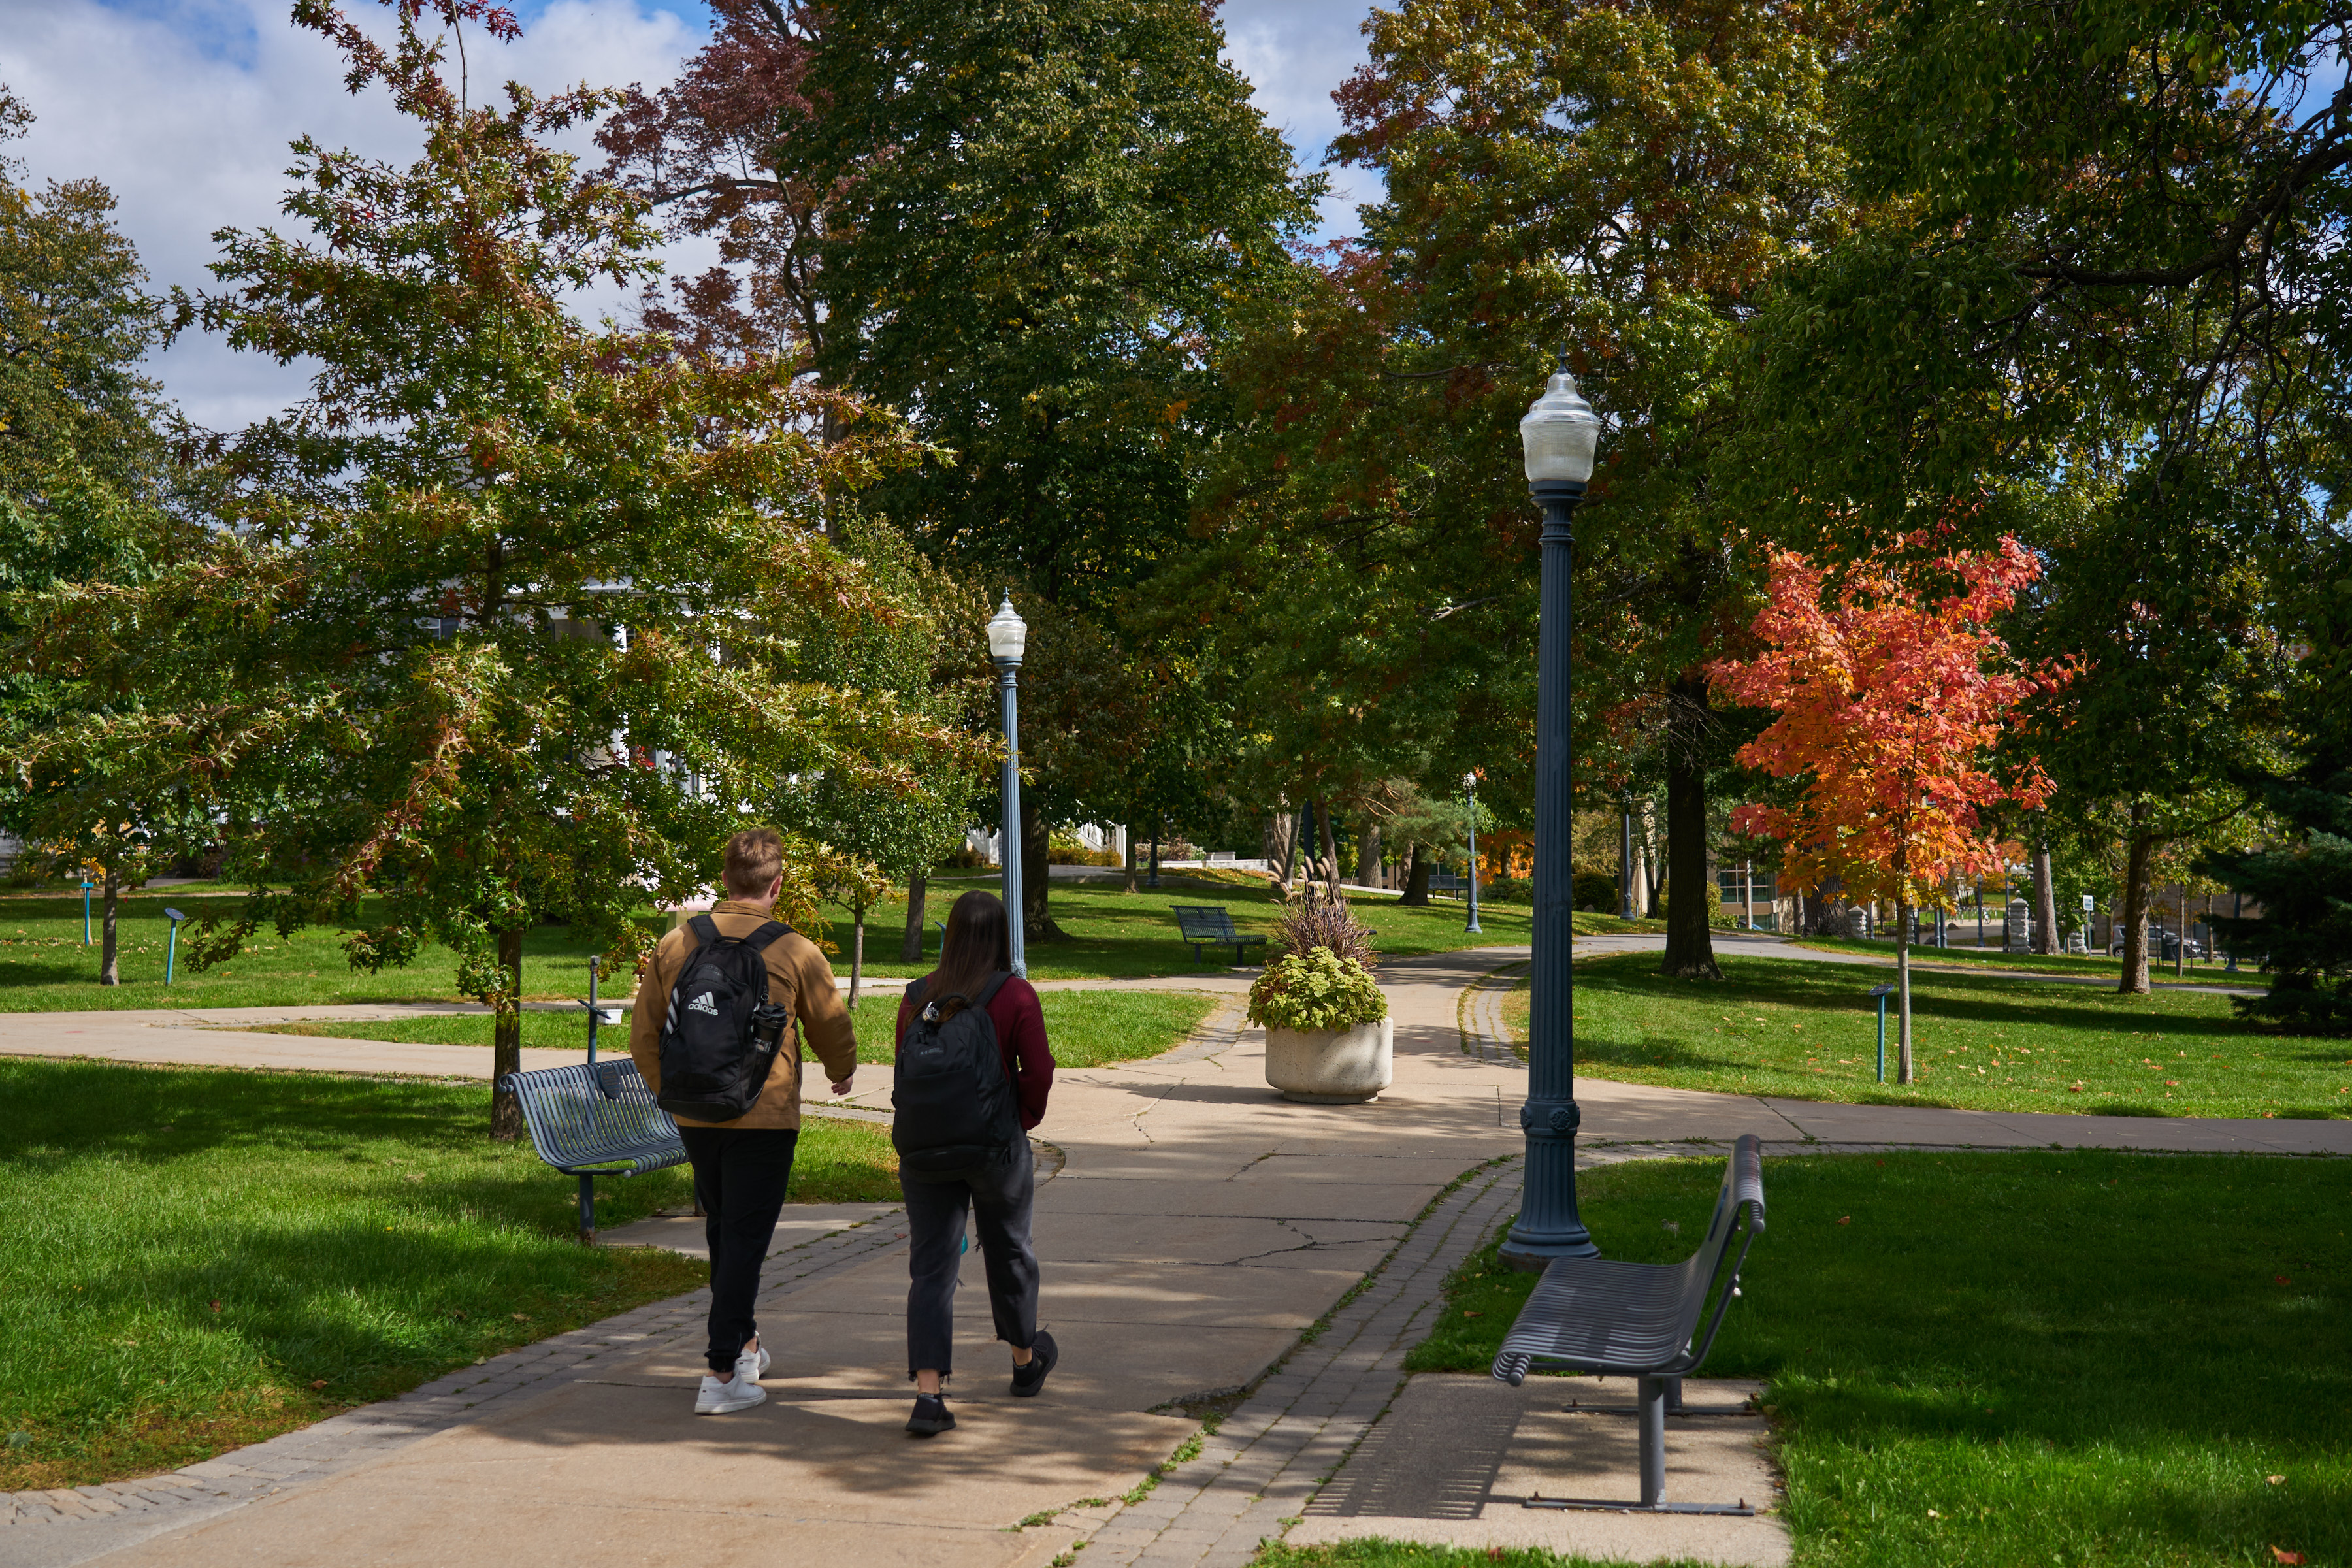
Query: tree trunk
point(110, 971)
point(506, 1047)
point(1638, 880)
point(1416, 882)
point(1367, 858)
point(1037, 918)
point(1130, 864)
point(1330, 850)
point(910, 946)
point(2133, 915)
point(1902, 993)
point(1286, 824)
point(1653, 864)
point(1690, 944)
point(2045, 900)
point(856, 950)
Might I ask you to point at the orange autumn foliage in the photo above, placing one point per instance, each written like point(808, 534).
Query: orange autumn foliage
point(1889, 703)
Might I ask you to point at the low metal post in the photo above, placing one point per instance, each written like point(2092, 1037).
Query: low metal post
point(1881, 992)
point(172, 946)
point(588, 1211)
point(85, 911)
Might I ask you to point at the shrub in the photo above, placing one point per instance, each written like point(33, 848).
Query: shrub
point(1595, 890)
point(1319, 922)
point(1319, 991)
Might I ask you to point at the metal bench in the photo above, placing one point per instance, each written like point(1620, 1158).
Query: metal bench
point(597, 1119)
point(1641, 1320)
point(1208, 924)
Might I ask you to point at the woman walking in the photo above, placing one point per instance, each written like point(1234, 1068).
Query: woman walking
point(959, 1149)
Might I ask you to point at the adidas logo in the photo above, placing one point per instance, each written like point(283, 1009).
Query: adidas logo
point(703, 1004)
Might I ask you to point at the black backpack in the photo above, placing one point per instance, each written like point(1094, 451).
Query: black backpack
point(954, 1111)
point(722, 1035)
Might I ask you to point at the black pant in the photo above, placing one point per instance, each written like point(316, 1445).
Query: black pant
point(1001, 1199)
point(739, 1177)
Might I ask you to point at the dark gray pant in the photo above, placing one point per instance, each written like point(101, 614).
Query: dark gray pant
point(1001, 1199)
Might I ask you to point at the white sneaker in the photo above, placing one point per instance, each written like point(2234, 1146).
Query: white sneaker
point(738, 1393)
point(752, 1365)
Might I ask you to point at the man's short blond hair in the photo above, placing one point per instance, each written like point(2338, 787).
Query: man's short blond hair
point(755, 856)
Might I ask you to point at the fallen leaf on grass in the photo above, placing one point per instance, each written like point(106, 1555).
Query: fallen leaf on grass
point(1845, 1219)
point(1467, 1313)
point(2283, 1555)
point(519, 1317)
point(2275, 1480)
point(216, 1306)
point(318, 1382)
point(2282, 1280)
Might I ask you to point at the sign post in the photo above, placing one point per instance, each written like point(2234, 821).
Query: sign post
point(1881, 992)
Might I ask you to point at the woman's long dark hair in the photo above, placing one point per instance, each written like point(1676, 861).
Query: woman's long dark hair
point(978, 942)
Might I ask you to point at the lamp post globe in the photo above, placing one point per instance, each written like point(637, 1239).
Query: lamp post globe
point(1470, 795)
point(1559, 439)
point(1008, 638)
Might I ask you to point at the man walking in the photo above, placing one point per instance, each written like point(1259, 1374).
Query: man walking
point(741, 1167)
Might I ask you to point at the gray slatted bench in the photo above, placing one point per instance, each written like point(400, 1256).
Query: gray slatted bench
point(597, 1119)
point(1641, 1320)
point(1206, 924)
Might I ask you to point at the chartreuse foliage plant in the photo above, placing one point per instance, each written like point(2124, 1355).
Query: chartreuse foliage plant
point(502, 623)
point(1316, 990)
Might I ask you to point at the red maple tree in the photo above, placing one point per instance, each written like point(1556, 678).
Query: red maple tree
point(1892, 692)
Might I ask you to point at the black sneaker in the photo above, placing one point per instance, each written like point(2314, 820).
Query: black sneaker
point(931, 1415)
point(1043, 1354)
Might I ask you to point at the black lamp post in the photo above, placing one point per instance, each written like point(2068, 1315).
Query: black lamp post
point(1008, 637)
point(1559, 435)
point(1470, 793)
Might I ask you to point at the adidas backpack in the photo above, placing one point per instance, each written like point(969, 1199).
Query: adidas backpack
point(953, 1110)
point(722, 1035)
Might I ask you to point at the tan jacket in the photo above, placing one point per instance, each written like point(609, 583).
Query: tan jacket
point(799, 978)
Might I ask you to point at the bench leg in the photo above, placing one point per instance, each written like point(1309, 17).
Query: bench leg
point(588, 1211)
point(1651, 1398)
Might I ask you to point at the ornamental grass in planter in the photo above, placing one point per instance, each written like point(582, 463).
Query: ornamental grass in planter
point(1329, 1038)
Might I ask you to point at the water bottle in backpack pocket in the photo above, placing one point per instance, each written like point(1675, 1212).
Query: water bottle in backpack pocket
point(953, 1110)
point(722, 1034)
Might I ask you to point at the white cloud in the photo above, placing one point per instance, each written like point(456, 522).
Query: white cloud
point(185, 107)
point(1295, 53)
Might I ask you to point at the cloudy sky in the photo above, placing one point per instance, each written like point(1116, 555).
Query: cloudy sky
point(185, 107)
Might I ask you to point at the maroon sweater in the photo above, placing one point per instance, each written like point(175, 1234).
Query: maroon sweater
point(1019, 1040)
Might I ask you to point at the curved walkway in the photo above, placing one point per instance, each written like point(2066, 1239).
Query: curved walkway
point(1205, 1245)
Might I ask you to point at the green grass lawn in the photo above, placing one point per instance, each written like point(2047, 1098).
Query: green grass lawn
point(1116, 933)
point(1087, 1028)
point(194, 1260)
point(1808, 1031)
point(2087, 966)
point(2079, 1358)
point(43, 967)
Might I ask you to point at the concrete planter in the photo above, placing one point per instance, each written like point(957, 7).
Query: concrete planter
point(1331, 1066)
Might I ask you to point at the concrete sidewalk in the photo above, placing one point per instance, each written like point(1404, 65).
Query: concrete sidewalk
point(1198, 1227)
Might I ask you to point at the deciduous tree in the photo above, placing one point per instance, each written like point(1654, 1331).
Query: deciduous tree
point(1892, 691)
point(502, 624)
